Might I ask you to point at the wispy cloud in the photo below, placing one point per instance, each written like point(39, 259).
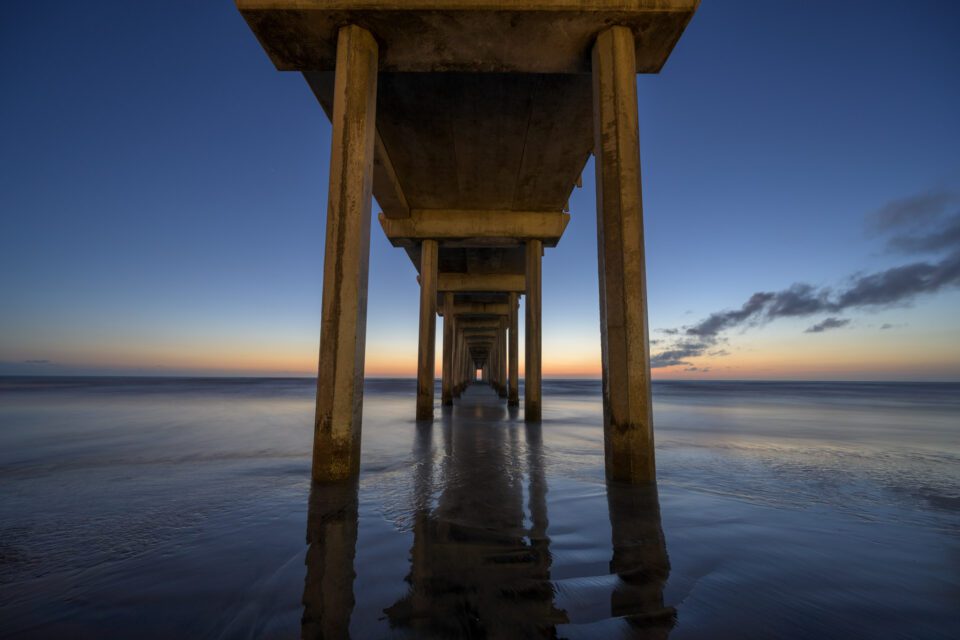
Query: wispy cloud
point(827, 324)
point(922, 224)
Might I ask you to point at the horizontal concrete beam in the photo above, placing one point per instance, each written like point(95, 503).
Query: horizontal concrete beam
point(461, 225)
point(520, 36)
point(477, 309)
point(484, 326)
point(465, 282)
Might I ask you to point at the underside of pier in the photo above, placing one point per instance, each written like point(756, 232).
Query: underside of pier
point(470, 122)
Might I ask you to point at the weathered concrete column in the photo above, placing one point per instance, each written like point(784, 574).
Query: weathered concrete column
point(531, 384)
point(513, 393)
point(446, 395)
point(343, 326)
point(628, 425)
point(428, 329)
point(464, 357)
point(502, 357)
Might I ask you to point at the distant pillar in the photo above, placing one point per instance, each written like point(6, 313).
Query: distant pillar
point(446, 395)
point(502, 357)
point(343, 325)
point(428, 329)
point(531, 394)
point(628, 424)
point(460, 357)
point(513, 393)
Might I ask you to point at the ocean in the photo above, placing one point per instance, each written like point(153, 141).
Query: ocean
point(183, 508)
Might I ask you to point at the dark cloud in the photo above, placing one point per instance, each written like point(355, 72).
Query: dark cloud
point(914, 211)
point(827, 324)
point(717, 322)
point(900, 284)
point(669, 332)
point(679, 353)
point(36, 362)
point(885, 326)
point(948, 235)
point(918, 225)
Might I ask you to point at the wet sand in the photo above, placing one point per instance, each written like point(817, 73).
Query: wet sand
point(179, 508)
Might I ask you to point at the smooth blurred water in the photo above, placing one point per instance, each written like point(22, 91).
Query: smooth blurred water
point(160, 508)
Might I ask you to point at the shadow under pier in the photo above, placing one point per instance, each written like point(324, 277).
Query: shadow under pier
point(480, 561)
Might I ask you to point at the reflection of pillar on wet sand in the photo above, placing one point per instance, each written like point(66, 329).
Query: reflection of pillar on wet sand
point(639, 559)
point(332, 535)
point(476, 569)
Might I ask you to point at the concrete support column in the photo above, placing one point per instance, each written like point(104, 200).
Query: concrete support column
point(531, 395)
point(513, 393)
point(628, 425)
point(461, 363)
point(428, 329)
point(343, 325)
point(446, 395)
point(502, 357)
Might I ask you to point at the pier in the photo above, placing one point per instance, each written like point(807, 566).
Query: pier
point(471, 122)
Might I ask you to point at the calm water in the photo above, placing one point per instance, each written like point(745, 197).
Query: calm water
point(179, 508)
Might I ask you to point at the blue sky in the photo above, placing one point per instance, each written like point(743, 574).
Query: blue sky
point(163, 192)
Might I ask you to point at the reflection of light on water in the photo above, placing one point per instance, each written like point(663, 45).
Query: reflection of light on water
point(474, 498)
point(181, 503)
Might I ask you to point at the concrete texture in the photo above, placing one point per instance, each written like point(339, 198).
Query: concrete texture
point(428, 329)
point(628, 420)
point(336, 450)
point(446, 382)
point(523, 36)
point(513, 393)
point(532, 337)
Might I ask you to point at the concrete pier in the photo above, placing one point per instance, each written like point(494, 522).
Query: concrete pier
point(336, 445)
point(531, 393)
point(471, 123)
point(446, 386)
point(428, 329)
point(627, 416)
point(513, 394)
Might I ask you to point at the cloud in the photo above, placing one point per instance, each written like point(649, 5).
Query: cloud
point(915, 211)
point(37, 362)
point(886, 326)
point(679, 353)
point(944, 238)
point(920, 224)
point(827, 324)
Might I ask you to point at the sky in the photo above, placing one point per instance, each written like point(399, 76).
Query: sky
point(163, 195)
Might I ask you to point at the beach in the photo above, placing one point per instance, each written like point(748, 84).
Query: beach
point(183, 507)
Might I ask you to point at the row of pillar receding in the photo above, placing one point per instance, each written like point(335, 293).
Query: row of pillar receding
point(628, 434)
point(479, 346)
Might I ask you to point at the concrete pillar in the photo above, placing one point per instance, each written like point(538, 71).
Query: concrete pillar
point(628, 425)
point(502, 357)
point(446, 395)
point(343, 325)
point(461, 366)
point(428, 329)
point(531, 395)
point(513, 393)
